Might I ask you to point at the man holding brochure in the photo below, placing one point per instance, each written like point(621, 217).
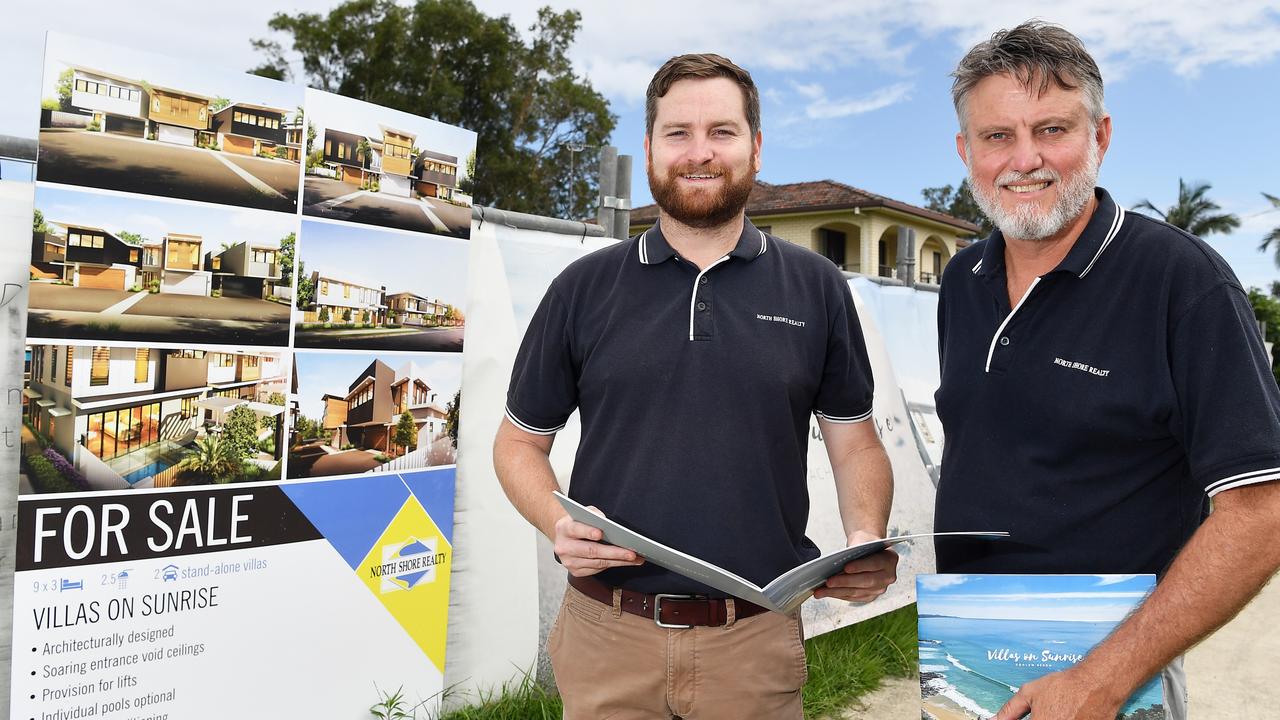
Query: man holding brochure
point(1102, 378)
point(695, 354)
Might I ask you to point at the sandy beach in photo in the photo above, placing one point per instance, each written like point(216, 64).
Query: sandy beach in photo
point(943, 708)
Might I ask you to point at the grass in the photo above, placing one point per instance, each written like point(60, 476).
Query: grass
point(843, 664)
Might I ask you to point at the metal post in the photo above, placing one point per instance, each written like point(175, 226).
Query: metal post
point(906, 254)
point(608, 184)
point(622, 207)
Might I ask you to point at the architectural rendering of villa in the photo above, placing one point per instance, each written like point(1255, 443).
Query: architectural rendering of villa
point(116, 104)
point(127, 416)
point(342, 301)
point(406, 308)
point(400, 169)
point(246, 129)
point(90, 257)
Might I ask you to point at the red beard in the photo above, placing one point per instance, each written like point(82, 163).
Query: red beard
point(698, 207)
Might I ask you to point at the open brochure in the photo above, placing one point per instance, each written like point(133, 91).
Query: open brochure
point(784, 594)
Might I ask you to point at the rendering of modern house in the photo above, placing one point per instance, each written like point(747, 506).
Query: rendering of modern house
point(124, 416)
point(334, 419)
point(246, 269)
point(406, 308)
point(859, 231)
point(183, 271)
point(339, 300)
point(246, 129)
point(436, 174)
point(118, 105)
point(378, 397)
point(397, 161)
point(85, 257)
point(340, 153)
point(179, 117)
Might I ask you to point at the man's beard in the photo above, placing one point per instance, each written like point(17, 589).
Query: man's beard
point(701, 208)
point(1026, 221)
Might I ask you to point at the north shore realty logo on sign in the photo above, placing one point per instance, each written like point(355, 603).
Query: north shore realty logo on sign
point(408, 564)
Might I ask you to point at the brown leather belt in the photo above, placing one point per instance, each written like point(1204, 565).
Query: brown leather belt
point(666, 609)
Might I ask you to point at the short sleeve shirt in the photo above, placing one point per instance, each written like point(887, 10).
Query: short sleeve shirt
point(695, 389)
point(1094, 420)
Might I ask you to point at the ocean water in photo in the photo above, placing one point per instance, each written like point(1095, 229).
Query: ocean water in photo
point(981, 663)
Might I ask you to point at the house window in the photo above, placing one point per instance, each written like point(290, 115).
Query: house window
point(832, 246)
point(189, 354)
point(66, 371)
point(188, 408)
point(937, 265)
point(251, 361)
point(264, 256)
point(133, 256)
point(346, 291)
point(223, 360)
point(328, 148)
point(324, 287)
point(82, 86)
point(53, 366)
point(141, 365)
point(217, 263)
point(342, 151)
point(100, 371)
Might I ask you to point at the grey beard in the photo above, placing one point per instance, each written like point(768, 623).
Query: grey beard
point(1027, 222)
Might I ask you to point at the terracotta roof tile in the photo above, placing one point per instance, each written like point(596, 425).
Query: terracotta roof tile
point(817, 195)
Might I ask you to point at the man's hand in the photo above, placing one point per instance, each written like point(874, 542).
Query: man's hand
point(580, 551)
point(1066, 695)
point(864, 579)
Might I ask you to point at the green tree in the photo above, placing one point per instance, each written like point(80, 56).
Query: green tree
point(1194, 211)
point(63, 88)
point(240, 431)
point(365, 153)
point(959, 203)
point(287, 244)
point(451, 417)
point(131, 237)
point(37, 222)
point(219, 103)
point(406, 432)
point(1267, 309)
point(1272, 238)
point(304, 297)
point(446, 59)
point(210, 459)
point(276, 398)
point(467, 184)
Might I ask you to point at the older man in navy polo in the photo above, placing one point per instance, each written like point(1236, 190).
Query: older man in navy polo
point(696, 354)
point(1102, 379)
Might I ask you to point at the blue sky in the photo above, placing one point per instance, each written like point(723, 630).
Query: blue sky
point(1093, 598)
point(855, 92)
point(153, 219)
point(428, 265)
point(320, 373)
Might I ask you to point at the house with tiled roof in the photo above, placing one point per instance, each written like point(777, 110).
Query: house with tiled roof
point(857, 230)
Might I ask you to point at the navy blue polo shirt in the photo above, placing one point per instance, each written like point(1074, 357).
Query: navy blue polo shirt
point(695, 390)
point(1093, 421)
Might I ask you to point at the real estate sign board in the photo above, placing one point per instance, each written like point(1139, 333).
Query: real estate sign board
point(243, 364)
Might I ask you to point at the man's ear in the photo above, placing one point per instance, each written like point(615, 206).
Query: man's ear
point(962, 149)
point(1103, 136)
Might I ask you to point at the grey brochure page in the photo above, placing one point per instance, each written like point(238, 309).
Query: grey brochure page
point(784, 594)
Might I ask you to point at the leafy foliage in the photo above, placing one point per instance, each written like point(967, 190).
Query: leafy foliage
point(287, 245)
point(1272, 240)
point(131, 238)
point(1194, 211)
point(406, 432)
point(240, 431)
point(210, 459)
point(37, 222)
point(1267, 309)
point(451, 416)
point(63, 88)
point(446, 59)
point(958, 202)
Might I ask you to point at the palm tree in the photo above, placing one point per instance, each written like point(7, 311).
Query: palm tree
point(364, 152)
point(1272, 237)
point(1194, 212)
point(211, 460)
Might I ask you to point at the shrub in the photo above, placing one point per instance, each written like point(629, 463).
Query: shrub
point(381, 458)
point(324, 315)
point(94, 126)
point(45, 477)
point(215, 293)
point(66, 469)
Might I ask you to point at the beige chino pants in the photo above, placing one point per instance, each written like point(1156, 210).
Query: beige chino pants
point(611, 665)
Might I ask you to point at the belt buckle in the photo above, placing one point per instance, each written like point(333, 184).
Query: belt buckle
point(657, 609)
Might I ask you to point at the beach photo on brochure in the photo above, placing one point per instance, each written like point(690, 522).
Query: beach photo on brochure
point(984, 636)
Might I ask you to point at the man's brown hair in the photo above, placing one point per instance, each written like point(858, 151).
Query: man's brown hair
point(701, 65)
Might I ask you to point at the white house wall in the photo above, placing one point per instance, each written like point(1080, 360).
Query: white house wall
point(106, 103)
point(120, 373)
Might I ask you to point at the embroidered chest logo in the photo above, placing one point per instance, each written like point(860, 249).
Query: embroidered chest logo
point(780, 319)
point(1082, 367)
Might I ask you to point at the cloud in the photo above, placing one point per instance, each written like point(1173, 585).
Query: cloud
point(1113, 580)
point(823, 108)
point(934, 583)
